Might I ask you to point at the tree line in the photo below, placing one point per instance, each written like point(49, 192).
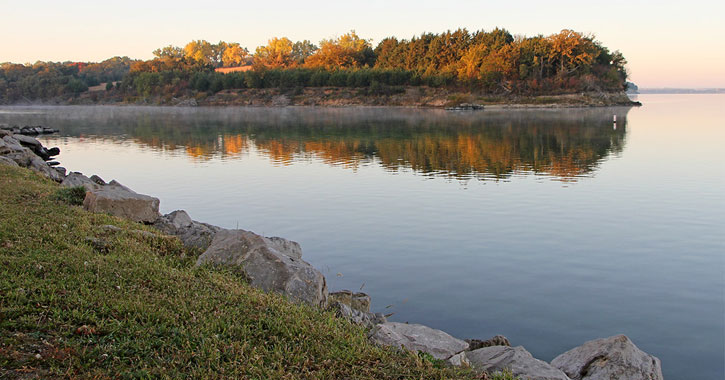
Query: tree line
point(484, 61)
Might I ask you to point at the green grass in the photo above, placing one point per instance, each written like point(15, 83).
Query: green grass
point(141, 309)
point(73, 196)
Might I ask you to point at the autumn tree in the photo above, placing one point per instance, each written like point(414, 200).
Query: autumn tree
point(572, 50)
point(200, 51)
point(276, 54)
point(301, 50)
point(346, 51)
point(170, 51)
point(234, 55)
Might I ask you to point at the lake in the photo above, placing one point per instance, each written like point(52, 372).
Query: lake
point(551, 227)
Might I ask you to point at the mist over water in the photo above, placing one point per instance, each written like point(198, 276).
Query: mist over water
point(551, 227)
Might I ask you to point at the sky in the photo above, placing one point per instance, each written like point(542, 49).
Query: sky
point(667, 43)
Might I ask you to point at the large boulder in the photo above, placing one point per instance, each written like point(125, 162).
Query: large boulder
point(516, 359)
point(37, 148)
point(417, 337)
point(194, 235)
point(123, 202)
point(268, 264)
point(615, 357)
point(42, 167)
point(28, 141)
point(6, 161)
point(75, 179)
point(13, 149)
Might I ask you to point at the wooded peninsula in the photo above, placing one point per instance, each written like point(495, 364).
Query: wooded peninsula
point(449, 68)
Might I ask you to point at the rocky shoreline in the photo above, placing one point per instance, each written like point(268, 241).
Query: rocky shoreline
point(275, 264)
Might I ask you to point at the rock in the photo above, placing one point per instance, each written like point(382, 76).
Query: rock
point(146, 234)
point(99, 245)
point(194, 235)
point(516, 359)
point(28, 141)
point(615, 357)
point(465, 107)
point(9, 144)
point(34, 145)
point(363, 318)
point(280, 100)
point(22, 156)
point(357, 301)
point(12, 148)
point(78, 179)
point(289, 247)
point(98, 180)
point(61, 170)
point(187, 103)
point(121, 201)
point(266, 266)
point(417, 337)
point(111, 228)
point(5, 132)
point(459, 359)
point(54, 151)
point(7, 161)
point(39, 165)
point(498, 340)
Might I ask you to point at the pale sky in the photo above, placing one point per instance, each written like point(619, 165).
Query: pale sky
point(667, 43)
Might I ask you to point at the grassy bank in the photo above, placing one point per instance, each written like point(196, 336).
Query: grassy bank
point(132, 305)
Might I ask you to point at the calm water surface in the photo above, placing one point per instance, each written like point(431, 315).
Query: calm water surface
point(549, 227)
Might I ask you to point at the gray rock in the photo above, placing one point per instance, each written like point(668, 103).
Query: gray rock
point(98, 180)
point(78, 179)
point(28, 141)
point(61, 170)
point(9, 144)
point(516, 359)
point(194, 235)
point(357, 301)
point(363, 318)
point(118, 200)
point(266, 266)
point(111, 228)
point(11, 148)
point(615, 357)
point(42, 167)
point(99, 245)
point(498, 340)
point(417, 337)
point(459, 359)
point(288, 247)
point(7, 161)
point(35, 145)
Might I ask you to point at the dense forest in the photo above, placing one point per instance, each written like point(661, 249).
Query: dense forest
point(494, 62)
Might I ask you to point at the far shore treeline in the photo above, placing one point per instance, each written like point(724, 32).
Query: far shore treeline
point(494, 62)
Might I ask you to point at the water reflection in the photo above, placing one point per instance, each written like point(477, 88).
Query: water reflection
point(483, 145)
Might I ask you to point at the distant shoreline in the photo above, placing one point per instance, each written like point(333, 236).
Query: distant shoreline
point(679, 91)
point(407, 97)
